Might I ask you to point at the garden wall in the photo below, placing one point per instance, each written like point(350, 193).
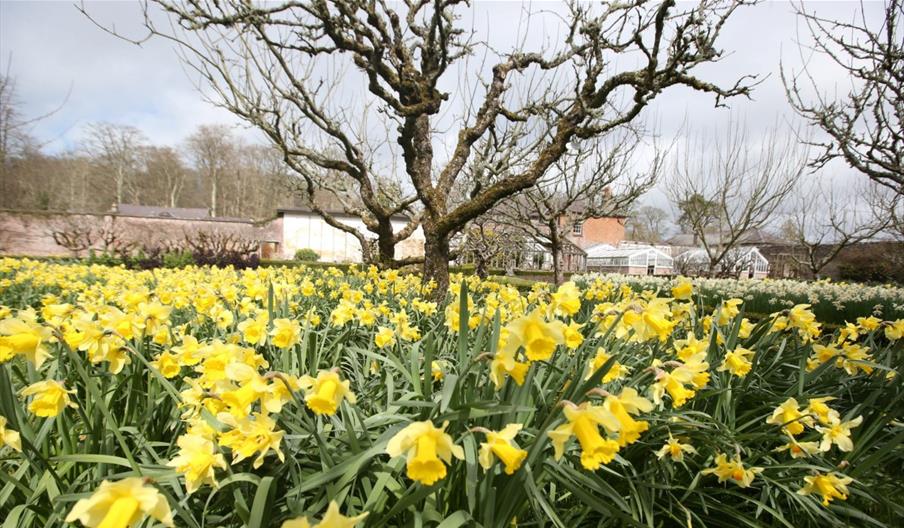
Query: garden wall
point(31, 232)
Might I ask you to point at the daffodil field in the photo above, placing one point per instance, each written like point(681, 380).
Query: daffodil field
point(301, 397)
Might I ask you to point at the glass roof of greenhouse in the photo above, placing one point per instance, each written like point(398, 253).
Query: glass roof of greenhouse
point(635, 254)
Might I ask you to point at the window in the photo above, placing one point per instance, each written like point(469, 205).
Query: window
point(578, 228)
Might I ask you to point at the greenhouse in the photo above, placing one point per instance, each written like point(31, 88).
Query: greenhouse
point(631, 260)
point(741, 263)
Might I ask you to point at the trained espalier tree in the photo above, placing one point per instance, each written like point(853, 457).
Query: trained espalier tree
point(434, 90)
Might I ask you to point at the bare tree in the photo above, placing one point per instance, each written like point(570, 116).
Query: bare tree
point(117, 151)
point(165, 171)
point(824, 220)
point(274, 65)
point(15, 138)
point(594, 180)
point(727, 185)
point(865, 127)
point(212, 151)
point(486, 242)
point(647, 223)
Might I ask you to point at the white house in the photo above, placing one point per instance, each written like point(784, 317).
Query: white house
point(300, 228)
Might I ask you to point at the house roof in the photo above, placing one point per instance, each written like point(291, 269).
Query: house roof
point(606, 251)
point(151, 211)
point(753, 237)
point(699, 255)
point(174, 213)
point(331, 204)
point(307, 210)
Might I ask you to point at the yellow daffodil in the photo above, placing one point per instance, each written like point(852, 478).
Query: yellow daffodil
point(854, 358)
point(674, 384)
point(197, 460)
point(868, 324)
point(189, 352)
point(789, 416)
point(167, 364)
point(838, 433)
point(799, 449)
point(325, 393)
point(683, 289)
point(690, 346)
point(615, 372)
point(657, 320)
point(894, 330)
point(733, 470)
point(566, 300)
point(675, 449)
point(24, 337)
point(9, 437)
point(727, 311)
point(254, 331)
point(332, 519)
point(436, 370)
point(737, 362)
point(504, 364)
point(121, 504)
point(745, 329)
point(501, 444)
point(427, 449)
point(538, 336)
point(253, 434)
point(622, 406)
point(818, 408)
point(385, 337)
point(285, 333)
point(573, 335)
point(50, 398)
point(831, 486)
point(583, 422)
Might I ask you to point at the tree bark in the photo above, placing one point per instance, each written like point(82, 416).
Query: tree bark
point(436, 263)
point(385, 245)
point(555, 247)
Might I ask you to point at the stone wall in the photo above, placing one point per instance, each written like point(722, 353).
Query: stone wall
point(31, 233)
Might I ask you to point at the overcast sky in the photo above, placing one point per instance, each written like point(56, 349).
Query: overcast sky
point(53, 50)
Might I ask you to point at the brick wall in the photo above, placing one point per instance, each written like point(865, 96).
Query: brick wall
point(600, 231)
point(29, 233)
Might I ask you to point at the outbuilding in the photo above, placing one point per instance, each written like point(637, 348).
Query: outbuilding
point(629, 260)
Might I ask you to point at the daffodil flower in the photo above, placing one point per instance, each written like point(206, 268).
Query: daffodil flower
point(675, 449)
point(584, 422)
point(121, 504)
point(838, 433)
point(538, 336)
point(9, 437)
point(789, 416)
point(197, 460)
point(50, 398)
point(285, 333)
point(737, 362)
point(733, 470)
point(502, 445)
point(324, 393)
point(254, 434)
point(427, 448)
point(831, 486)
point(332, 519)
point(24, 336)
